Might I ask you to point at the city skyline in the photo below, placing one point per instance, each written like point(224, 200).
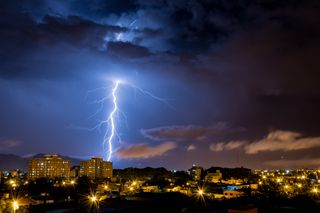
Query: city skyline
point(211, 83)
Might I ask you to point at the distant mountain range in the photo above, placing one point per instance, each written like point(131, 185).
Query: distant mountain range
point(11, 161)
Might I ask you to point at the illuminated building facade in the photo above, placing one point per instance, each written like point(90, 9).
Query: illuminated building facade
point(96, 168)
point(196, 172)
point(49, 166)
point(214, 177)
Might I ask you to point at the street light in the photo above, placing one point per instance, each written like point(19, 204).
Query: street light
point(94, 203)
point(15, 205)
point(93, 199)
point(200, 196)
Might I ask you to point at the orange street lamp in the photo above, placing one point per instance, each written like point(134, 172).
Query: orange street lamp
point(15, 205)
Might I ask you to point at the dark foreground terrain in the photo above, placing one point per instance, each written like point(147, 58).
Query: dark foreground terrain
point(179, 203)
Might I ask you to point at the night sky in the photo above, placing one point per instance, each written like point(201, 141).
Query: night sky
point(237, 81)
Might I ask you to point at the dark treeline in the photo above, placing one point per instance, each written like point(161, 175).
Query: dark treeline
point(148, 172)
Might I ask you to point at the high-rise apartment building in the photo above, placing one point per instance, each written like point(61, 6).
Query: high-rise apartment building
point(195, 172)
point(49, 166)
point(96, 168)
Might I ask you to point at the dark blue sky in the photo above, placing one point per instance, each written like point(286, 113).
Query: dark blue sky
point(241, 80)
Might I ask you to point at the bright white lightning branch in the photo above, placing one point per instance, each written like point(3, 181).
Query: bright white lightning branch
point(111, 133)
point(111, 120)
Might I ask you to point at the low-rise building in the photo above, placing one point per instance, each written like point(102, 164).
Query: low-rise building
point(232, 181)
point(214, 177)
point(232, 194)
point(150, 188)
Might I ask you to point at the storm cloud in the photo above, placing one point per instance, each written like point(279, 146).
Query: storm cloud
point(189, 132)
point(231, 70)
point(284, 141)
point(278, 140)
point(143, 150)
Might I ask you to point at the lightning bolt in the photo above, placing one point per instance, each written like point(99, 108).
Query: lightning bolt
point(111, 121)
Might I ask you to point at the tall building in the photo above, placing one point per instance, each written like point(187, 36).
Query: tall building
point(49, 166)
point(96, 168)
point(195, 172)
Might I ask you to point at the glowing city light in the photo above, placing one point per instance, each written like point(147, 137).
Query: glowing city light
point(200, 192)
point(15, 205)
point(93, 198)
point(200, 195)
